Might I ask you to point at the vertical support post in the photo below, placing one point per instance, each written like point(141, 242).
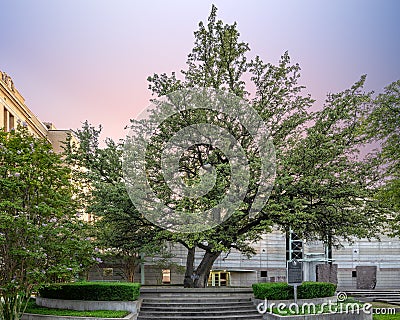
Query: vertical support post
point(142, 278)
point(290, 245)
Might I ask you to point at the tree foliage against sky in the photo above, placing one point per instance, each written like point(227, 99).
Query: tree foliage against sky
point(334, 183)
point(324, 188)
point(41, 238)
point(385, 126)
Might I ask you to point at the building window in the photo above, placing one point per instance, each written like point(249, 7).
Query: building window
point(166, 276)
point(5, 119)
point(8, 121)
point(354, 274)
point(11, 123)
point(264, 273)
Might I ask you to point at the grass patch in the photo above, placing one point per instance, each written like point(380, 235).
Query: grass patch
point(35, 309)
point(387, 316)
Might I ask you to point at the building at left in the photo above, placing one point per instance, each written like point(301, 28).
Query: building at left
point(14, 111)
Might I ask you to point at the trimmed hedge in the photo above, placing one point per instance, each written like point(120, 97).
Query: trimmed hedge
point(282, 291)
point(92, 291)
point(310, 290)
point(273, 291)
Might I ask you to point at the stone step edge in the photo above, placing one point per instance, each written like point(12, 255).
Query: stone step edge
point(194, 308)
point(204, 317)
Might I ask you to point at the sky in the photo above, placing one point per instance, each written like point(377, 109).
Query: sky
point(80, 60)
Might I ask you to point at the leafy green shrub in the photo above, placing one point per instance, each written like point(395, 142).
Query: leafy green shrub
point(273, 291)
point(282, 291)
point(92, 291)
point(309, 290)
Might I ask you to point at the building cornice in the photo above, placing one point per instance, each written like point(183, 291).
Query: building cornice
point(17, 100)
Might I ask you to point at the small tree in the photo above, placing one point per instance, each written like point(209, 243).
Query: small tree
point(41, 238)
point(122, 233)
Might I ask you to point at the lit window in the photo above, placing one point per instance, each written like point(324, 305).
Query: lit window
point(166, 276)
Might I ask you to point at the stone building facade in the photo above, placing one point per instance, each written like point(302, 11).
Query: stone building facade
point(355, 262)
point(14, 112)
point(362, 264)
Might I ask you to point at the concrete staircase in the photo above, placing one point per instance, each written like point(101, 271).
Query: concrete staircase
point(388, 296)
point(197, 304)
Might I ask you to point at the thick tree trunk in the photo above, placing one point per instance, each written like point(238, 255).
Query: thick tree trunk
point(130, 264)
point(203, 270)
point(131, 274)
point(188, 281)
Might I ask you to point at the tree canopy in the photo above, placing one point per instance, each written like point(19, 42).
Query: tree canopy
point(385, 126)
point(323, 186)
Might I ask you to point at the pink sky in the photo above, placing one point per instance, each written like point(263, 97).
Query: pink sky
point(88, 60)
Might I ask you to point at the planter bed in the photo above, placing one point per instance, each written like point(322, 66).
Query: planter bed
point(131, 306)
point(31, 316)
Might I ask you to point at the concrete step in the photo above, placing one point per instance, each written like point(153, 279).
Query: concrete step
point(390, 300)
point(198, 313)
point(200, 304)
point(375, 294)
point(180, 290)
point(204, 317)
point(358, 293)
point(197, 304)
point(194, 292)
point(195, 309)
point(386, 296)
point(206, 300)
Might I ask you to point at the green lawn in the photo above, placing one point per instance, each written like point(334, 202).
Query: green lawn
point(33, 308)
point(387, 317)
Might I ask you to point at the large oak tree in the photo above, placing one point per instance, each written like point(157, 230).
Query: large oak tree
point(324, 187)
